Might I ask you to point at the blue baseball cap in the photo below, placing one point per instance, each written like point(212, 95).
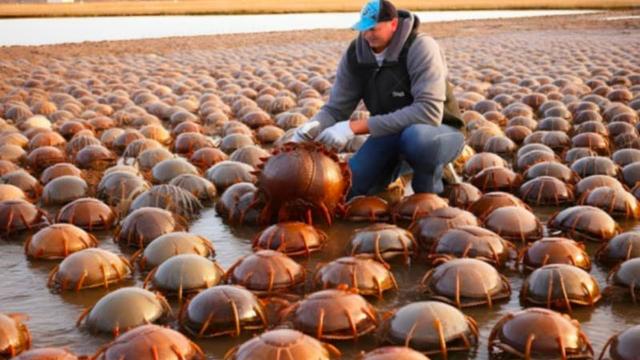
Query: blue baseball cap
point(373, 12)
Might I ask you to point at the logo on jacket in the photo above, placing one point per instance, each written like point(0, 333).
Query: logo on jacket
point(397, 93)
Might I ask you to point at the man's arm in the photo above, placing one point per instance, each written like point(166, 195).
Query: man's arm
point(343, 99)
point(427, 71)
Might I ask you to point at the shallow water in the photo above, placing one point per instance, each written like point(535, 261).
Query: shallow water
point(52, 316)
point(37, 31)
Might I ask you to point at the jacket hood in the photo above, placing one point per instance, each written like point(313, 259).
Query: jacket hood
point(407, 23)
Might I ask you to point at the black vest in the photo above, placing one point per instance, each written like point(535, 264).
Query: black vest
point(387, 88)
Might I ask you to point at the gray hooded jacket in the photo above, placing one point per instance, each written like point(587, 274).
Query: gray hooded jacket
point(427, 71)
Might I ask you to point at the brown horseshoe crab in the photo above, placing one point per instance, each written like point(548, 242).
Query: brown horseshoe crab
point(87, 213)
point(623, 345)
point(144, 225)
point(333, 314)
point(89, 268)
point(267, 272)
point(169, 197)
point(430, 228)
point(19, 215)
point(539, 332)
point(367, 208)
point(223, 310)
point(559, 286)
point(431, 327)
point(57, 241)
point(150, 342)
point(470, 241)
point(465, 283)
point(290, 183)
point(584, 222)
point(622, 247)
point(554, 250)
point(367, 276)
point(385, 242)
point(416, 206)
point(125, 309)
point(291, 238)
point(279, 344)
point(170, 244)
point(392, 353)
point(514, 223)
point(16, 337)
point(184, 274)
point(626, 275)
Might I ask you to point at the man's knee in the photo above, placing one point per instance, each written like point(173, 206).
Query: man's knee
point(427, 144)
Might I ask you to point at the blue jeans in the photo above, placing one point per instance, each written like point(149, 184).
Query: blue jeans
point(426, 149)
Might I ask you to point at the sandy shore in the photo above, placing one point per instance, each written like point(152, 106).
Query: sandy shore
point(437, 30)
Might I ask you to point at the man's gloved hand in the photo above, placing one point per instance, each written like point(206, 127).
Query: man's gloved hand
point(336, 136)
point(306, 132)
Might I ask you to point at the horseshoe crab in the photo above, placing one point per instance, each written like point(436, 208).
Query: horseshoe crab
point(144, 225)
point(206, 157)
point(623, 345)
point(546, 190)
point(226, 173)
point(595, 165)
point(16, 337)
point(496, 178)
point(169, 197)
point(48, 353)
point(416, 206)
point(125, 309)
point(184, 274)
point(89, 268)
point(514, 223)
point(391, 353)
point(494, 200)
point(430, 228)
point(25, 182)
point(57, 241)
point(471, 241)
point(43, 157)
point(539, 332)
point(481, 161)
point(94, 157)
point(19, 215)
point(622, 247)
point(461, 195)
point(166, 170)
point(333, 314)
point(267, 272)
point(120, 187)
point(385, 242)
point(465, 283)
point(150, 342)
point(616, 202)
point(595, 181)
point(290, 183)
point(274, 344)
point(198, 186)
point(367, 276)
point(584, 222)
point(431, 327)
point(63, 190)
point(559, 286)
point(227, 205)
point(87, 213)
point(554, 250)
point(170, 244)
point(223, 310)
point(291, 238)
point(626, 275)
point(367, 208)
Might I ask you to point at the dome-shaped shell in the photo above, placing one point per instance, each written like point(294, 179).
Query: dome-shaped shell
point(431, 327)
point(274, 343)
point(124, 309)
point(466, 282)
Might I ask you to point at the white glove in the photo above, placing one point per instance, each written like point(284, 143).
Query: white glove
point(336, 136)
point(306, 132)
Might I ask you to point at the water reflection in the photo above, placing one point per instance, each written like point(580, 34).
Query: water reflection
point(36, 31)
